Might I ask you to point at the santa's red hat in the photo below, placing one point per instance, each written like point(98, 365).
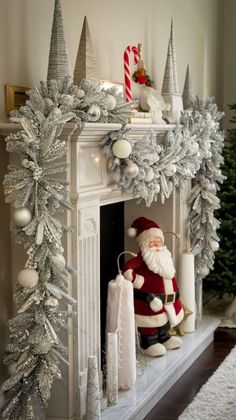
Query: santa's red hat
point(143, 229)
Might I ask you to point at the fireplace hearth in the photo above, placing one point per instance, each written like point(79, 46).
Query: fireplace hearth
point(99, 206)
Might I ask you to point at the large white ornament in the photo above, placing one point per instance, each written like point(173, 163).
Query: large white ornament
point(122, 148)
point(131, 170)
point(28, 278)
point(94, 113)
point(149, 175)
point(110, 102)
point(59, 261)
point(21, 217)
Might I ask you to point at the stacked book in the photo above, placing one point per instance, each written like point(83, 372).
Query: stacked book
point(140, 117)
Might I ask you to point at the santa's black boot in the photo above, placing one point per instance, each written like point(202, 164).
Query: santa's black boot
point(151, 346)
point(168, 341)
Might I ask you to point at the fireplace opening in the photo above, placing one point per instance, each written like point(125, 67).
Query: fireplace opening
point(111, 245)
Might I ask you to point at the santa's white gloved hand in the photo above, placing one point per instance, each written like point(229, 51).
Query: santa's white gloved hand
point(156, 304)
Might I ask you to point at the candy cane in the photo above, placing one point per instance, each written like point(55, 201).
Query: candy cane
point(127, 69)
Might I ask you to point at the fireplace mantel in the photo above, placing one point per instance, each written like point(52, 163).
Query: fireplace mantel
point(90, 188)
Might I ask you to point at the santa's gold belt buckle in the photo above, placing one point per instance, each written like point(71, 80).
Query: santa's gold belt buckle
point(170, 299)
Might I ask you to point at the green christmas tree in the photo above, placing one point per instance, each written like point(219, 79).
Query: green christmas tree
point(223, 279)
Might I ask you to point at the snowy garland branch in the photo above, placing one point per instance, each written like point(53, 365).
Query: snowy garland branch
point(148, 168)
point(203, 199)
point(36, 192)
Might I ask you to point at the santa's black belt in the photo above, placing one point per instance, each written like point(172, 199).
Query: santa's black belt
point(148, 297)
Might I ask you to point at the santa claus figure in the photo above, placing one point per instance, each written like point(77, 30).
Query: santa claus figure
point(156, 295)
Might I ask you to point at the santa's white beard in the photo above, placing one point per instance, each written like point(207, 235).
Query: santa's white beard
point(159, 262)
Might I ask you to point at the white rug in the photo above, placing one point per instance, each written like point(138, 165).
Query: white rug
point(216, 399)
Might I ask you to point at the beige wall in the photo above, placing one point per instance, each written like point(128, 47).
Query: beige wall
point(229, 58)
point(25, 28)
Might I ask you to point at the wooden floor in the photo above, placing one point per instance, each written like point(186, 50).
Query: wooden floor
point(185, 389)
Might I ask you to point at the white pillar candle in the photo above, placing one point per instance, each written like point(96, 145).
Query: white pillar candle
point(112, 368)
point(93, 407)
point(187, 288)
point(120, 317)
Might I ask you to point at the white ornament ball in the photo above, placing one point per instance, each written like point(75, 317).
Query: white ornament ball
point(59, 261)
point(94, 113)
point(204, 271)
point(131, 170)
point(28, 278)
point(149, 175)
point(110, 102)
point(25, 163)
point(21, 217)
point(80, 93)
point(51, 304)
point(170, 169)
point(122, 149)
point(215, 245)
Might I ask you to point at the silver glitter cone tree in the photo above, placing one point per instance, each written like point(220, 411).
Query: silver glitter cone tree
point(188, 94)
point(58, 64)
point(86, 65)
point(170, 89)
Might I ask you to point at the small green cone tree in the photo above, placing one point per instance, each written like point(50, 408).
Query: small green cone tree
point(223, 278)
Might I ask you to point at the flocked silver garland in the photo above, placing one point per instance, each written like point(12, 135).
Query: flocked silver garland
point(150, 168)
point(36, 192)
point(146, 169)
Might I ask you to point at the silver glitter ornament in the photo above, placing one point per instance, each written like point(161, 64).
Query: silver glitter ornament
point(51, 304)
point(149, 175)
point(170, 169)
point(131, 170)
point(94, 113)
point(59, 261)
point(80, 94)
point(203, 271)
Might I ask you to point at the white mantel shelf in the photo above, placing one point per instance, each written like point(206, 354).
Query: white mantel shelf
point(160, 375)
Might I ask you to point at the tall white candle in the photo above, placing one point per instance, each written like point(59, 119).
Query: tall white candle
point(112, 368)
point(187, 288)
point(120, 317)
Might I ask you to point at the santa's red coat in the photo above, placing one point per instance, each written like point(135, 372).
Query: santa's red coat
point(146, 281)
